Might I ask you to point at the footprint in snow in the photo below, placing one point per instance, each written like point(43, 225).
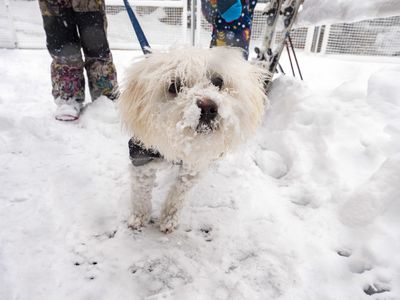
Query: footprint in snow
point(84, 262)
point(375, 288)
point(207, 232)
point(160, 274)
point(87, 265)
point(360, 266)
point(271, 163)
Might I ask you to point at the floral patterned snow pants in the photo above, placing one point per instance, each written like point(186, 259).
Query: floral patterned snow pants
point(72, 25)
point(236, 33)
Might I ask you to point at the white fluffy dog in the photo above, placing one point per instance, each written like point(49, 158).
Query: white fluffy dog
point(191, 106)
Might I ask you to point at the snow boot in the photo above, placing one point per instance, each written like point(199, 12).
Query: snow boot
point(68, 110)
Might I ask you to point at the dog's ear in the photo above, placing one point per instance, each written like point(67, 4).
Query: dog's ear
point(131, 101)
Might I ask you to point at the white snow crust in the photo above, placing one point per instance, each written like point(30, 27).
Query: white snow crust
point(320, 12)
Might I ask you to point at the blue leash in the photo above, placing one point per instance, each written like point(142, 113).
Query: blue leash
point(144, 44)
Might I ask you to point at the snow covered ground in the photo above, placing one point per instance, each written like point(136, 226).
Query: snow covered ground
point(308, 209)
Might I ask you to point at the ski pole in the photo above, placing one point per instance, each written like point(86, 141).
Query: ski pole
point(295, 57)
point(290, 59)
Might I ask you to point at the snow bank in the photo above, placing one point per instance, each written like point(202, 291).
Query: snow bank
point(373, 197)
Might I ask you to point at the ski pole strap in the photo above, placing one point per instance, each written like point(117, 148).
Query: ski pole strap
point(144, 44)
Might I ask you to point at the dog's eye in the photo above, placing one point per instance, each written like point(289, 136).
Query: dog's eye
point(217, 81)
point(175, 87)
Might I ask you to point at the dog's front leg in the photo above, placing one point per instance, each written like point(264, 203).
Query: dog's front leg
point(170, 211)
point(142, 183)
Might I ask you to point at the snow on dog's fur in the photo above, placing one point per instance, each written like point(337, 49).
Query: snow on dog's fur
point(192, 106)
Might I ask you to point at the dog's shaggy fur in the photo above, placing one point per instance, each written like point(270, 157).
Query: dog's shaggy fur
point(192, 106)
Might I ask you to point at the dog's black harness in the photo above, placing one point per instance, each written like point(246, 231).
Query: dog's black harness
point(139, 155)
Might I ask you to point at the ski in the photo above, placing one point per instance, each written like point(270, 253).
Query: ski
point(285, 10)
point(272, 10)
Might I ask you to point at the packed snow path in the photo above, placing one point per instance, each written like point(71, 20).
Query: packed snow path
point(308, 209)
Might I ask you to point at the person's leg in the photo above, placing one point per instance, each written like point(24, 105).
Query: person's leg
point(92, 25)
point(209, 10)
point(63, 44)
point(235, 33)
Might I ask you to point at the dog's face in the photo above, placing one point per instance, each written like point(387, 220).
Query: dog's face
point(192, 105)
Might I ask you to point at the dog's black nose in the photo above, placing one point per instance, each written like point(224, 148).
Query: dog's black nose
point(209, 110)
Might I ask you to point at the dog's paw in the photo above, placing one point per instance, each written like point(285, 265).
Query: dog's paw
point(169, 223)
point(136, 222)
